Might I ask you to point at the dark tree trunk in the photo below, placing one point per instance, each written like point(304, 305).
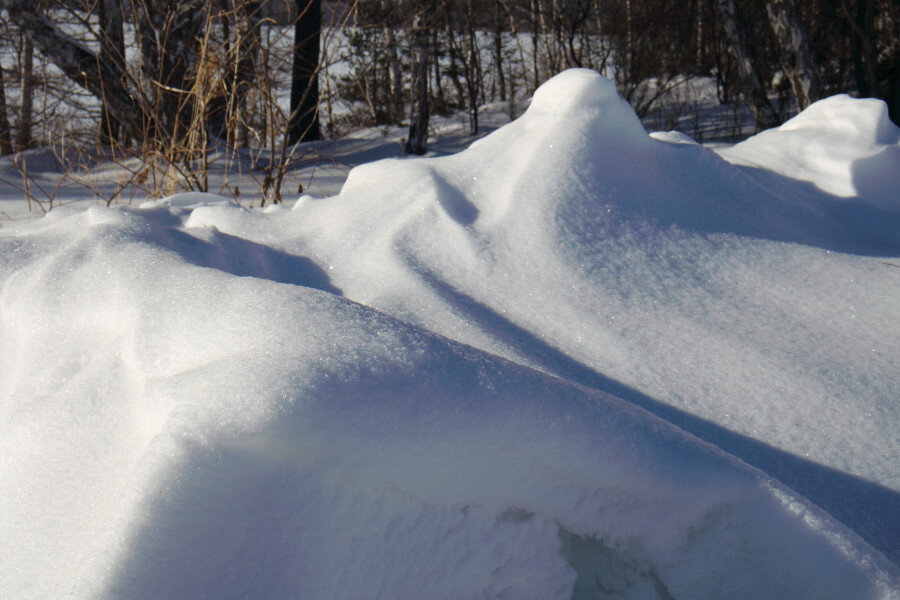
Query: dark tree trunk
point(418, 127)
point(169, 32)
point(24, 137)
point(474, 79)
point(6, 146)
point(864, 53)
point(535, 40)
point(395, 69)
point(438, 87)
point(303, 123)
point(498, 51)
point(112, 51)
point(797, 60)
point(894, 97)
point(745, 58)
point(455, 56)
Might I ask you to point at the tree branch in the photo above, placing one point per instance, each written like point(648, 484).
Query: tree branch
point(78, 63)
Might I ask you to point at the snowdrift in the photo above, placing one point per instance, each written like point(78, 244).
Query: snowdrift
point(743, 304)
point(402, 390)
point(845, 146)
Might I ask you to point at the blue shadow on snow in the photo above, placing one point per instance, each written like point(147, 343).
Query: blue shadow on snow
point(870, 509)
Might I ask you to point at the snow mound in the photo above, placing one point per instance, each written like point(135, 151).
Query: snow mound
point(172, 429)
point(845, 146)
point(404, 387)
point(749, 308)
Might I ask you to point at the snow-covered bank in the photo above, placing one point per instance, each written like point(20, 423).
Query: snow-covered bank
point(223, 402)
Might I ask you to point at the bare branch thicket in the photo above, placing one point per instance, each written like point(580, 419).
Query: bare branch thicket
point(208, 79)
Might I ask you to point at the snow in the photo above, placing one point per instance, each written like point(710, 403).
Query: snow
point(845, 146)
point(572, 360)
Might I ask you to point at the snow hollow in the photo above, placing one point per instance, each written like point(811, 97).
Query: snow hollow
point(573, 361)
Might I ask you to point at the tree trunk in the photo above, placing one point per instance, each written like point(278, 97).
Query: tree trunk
point(418, 128)
point(24, 138)
point(535, 40)
point(894, 97)
point(498, 51)
point(455, 56)
point(699, 58)
point(395, 70)
point(797, 60)
point(438, 88)
point(473, 69)
point(6, 146)
point(629, 40)
point(865, 60)
point(549, 47)
point(169, 33)
point(303, 123)
point(747, 67)
point(112, 51)
point(243, 32)
point(514, 34)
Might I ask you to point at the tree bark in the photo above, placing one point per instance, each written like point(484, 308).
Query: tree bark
point(112, 51)
point(699, 58)
point(535, 40)
point(498, 51)
point(797, 60)
point(474, 79)
point(25, 123)
point(455, 55)
point(865, 62)
point(169, 34)
point(437, 90)
point(894, 97)
point(418, 127)
point(747, 67)
point(6, 146)
point(395, 70)
point(303, 123)
point(242, 30)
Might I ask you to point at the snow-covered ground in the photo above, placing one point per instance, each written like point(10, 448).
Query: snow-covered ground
point(572, 361)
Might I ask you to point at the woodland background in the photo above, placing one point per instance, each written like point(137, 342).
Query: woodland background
point(166, 80)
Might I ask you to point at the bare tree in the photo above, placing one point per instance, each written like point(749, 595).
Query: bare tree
point(78, 63)
point(865, 61)
point(25, 123)
point(418, 128)
point(797, 60)
point(303, 123)
point(395, 68)
point(742, 49)
point(111, 19)
point(169, 35)
point(6, 146)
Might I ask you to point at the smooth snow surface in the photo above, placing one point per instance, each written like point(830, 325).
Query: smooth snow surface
point(845, 146)
point(403, 391)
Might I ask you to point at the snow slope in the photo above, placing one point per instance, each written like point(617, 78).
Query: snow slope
point(742, 304)
point(203, 400)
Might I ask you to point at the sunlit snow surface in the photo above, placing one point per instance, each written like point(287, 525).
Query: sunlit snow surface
point(200, 400)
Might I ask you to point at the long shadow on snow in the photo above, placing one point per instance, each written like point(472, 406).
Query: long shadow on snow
point(871, 510)
point(243, 258)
